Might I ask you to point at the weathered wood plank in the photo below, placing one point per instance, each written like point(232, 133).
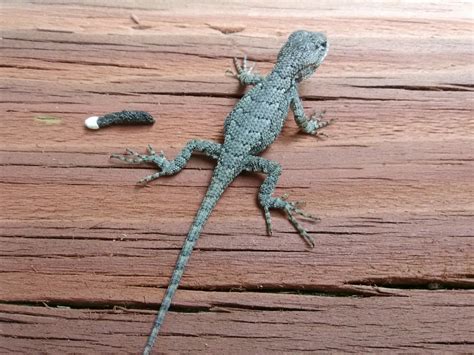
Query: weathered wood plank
point(239, 323)
point(392, 183)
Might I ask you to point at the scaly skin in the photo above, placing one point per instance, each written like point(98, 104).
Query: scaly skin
point(252, 125)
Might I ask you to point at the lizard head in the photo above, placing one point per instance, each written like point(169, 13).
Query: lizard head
point(302, 54)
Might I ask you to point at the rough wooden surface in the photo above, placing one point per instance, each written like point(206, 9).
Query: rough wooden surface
point(86, 256)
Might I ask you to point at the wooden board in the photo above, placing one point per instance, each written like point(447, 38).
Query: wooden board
point(86, 255)
point(241, 322)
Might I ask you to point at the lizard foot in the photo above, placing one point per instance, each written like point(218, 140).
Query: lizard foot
point(159, 160)
point(317, 122)
point(245, 74)
point(243, 69)
point(133, 157)
point(291, 209)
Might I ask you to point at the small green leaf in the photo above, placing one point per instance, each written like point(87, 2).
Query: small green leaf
point(48, 119)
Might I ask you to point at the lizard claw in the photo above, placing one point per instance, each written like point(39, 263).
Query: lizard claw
point(302, 232)
point(321, 135)
point(159, 159)
point(144, 181)
point(317, 122)
point(294, 207)
point(318, 115)
point(240, 67)
point(230, 73)
point(268, 220)
point(291, 209)
point(131, 152)
point(245, 73)
point(133, 157)
point(150, 150)
point(129, 157)
point(243, 68)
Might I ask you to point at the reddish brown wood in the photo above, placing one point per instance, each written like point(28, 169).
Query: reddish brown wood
point(241, 322)
point(86, 255)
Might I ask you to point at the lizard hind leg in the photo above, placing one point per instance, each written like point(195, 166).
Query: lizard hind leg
point(267, 201)
point(169, 167)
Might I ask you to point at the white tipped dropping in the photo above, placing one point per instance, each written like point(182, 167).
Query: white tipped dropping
point(91, 122)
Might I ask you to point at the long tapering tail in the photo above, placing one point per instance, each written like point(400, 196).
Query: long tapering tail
point(214, 192)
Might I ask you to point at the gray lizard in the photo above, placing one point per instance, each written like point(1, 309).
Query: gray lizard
point(252, 125)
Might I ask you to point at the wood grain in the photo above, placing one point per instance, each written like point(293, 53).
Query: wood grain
point(242, 322)
point(86, 255)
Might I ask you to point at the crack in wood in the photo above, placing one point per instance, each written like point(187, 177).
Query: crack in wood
point(136, 306)
point(467, 342)
point(316, 290)
point(416, 87)
point(460, 282)
point(79, 43)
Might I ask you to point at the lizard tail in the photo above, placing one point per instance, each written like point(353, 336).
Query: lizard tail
point(214, 192)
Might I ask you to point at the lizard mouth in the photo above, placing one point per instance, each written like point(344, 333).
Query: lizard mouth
point(311, 68)
point(325, 49)
point(308, 70)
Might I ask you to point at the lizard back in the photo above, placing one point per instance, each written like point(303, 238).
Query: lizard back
point(258, 118)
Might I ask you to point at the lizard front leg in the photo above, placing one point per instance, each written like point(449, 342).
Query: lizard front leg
point(267, 201)
point(245, 74)
point(170, 167)
point(309, 125)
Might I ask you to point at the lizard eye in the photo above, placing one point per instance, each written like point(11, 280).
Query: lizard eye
point(324, 44)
